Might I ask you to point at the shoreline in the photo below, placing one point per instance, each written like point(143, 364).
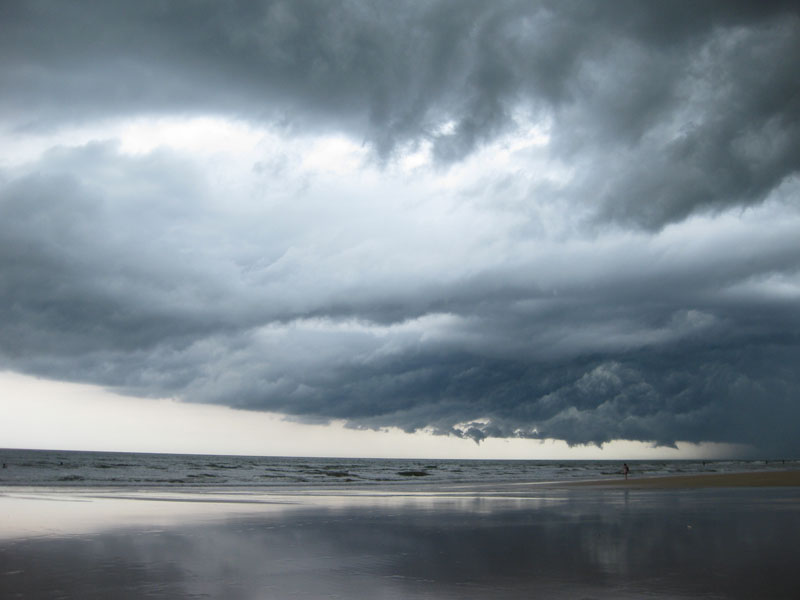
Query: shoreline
point(700, 480)
point(763, 478)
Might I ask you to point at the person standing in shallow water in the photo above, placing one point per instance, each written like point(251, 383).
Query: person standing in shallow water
point(625, 470)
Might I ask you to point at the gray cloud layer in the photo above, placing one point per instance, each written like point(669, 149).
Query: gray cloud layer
point(130, 271)
point(680, 90)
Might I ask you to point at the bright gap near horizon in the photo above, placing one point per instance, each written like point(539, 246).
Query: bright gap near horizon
point(40, 414)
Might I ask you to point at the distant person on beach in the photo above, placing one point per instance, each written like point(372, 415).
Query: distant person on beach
point(625, 470)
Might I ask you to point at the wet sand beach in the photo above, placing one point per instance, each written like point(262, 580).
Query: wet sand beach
point(709, 536)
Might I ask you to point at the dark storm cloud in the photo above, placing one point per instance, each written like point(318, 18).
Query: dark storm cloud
point(646, 99)
point(663, 315)
point(596, 348)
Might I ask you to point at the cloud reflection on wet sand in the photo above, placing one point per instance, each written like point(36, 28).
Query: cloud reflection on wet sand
point(581, 543)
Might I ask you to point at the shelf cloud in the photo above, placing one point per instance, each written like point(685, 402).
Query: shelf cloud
point(557, 220)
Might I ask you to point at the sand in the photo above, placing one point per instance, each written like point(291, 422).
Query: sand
point(706, 480)
point(671, 537)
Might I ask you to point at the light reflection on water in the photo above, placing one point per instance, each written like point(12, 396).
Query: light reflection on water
point(554, 544)
point(68, 511)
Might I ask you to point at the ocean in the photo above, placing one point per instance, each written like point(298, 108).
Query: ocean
point(57, 468)
point(96, 525)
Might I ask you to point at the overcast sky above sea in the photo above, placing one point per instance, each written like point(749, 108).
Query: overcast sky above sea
point(478, 221)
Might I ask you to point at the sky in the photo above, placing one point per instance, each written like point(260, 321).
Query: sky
point(517, 229)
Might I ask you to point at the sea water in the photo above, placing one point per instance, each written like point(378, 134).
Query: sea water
point(111, 469)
